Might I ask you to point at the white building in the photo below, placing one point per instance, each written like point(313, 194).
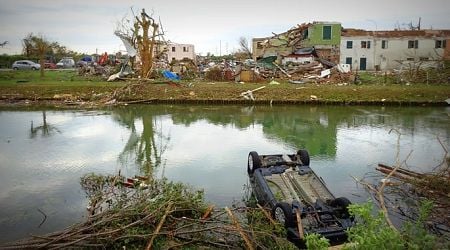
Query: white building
point(386, 50)
point(177, 51)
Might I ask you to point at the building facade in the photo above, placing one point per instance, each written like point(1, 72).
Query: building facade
point(387, 50)
point(325, 37)
point(177, 51)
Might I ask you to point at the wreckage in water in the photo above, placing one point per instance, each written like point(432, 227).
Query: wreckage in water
point(298, 198)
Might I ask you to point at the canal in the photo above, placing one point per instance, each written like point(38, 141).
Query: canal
point(44, 152)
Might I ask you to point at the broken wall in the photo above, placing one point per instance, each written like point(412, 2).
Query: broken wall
point(316, 35)
point(264, 47)
point(447, 50)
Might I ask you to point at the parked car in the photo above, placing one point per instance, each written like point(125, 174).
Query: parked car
point(290, 188)
point(85, 61)
point(25, 64)
point(49, 65)
point(66, 62)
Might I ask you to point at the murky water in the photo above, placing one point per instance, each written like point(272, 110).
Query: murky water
point(43, 152)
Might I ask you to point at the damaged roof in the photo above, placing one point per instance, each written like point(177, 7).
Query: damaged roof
point(396, 33)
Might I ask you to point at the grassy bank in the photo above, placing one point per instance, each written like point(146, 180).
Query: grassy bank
point(67, 85)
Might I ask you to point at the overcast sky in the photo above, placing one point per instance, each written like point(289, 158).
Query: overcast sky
point(212, 26)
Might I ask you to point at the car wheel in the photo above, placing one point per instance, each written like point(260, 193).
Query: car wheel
point(254, 162)
point(304, 157)
point(33, 68)
point(15, 68)
point(341, 204)
point(282, 213)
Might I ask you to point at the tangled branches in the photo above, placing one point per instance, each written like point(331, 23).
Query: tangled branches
point(402, 193)
point(158, 214)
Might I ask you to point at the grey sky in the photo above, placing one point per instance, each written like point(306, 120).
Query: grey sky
point(85, 26)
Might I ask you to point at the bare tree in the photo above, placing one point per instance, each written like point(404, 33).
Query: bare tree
point(3, 44)
point(243, 42)
point(144, 33)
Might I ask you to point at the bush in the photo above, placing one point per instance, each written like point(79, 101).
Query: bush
point(214, 74)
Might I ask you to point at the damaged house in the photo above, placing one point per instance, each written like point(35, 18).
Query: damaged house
point(388, 50)
point(295, 43)
point(176, 51)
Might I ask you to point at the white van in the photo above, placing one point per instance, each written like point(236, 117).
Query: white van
point(66, 62)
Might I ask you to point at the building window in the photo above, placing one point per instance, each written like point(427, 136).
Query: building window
point(173, 49)
point(185, 49)
point(349, 44)
point(326, 32)
point(348, 60)
point(441, 44)
point(424, 58)
point(259, 45)
point(384, 44)
point(413, 44)
point(365, 44)
point(305, 34)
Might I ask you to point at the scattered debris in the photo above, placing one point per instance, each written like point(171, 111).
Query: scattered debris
point(158, 214)
point(249, 93)
point(273, 82)
point(170, 75)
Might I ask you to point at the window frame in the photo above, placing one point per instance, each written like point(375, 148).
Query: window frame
point(440, 44)
point(413, 44)
point(323, 32)
point(365, 44)
point(349, 45)
point(349, 58)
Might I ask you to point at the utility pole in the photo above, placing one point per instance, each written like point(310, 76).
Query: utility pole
point(374, 43)
point(220, 47)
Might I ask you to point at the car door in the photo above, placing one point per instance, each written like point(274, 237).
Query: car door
point(22, 65)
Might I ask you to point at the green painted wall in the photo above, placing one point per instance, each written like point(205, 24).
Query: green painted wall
point(315, 35)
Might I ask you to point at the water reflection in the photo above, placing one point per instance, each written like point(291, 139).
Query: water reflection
point(146, 147)
point(46, 129)
point(204, 146)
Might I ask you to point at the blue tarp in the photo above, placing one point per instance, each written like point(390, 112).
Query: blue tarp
point(87, 59)
point(170, 75)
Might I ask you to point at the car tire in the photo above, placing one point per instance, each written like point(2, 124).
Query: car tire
point(33, 68)
point(15, 68)
point(254, 162)
point(304, 156)
point(341, 204)
point(282, 213)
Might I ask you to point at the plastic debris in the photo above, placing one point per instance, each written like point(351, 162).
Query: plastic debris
point(170, 75)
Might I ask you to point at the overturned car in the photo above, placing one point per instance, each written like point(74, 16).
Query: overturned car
point(298, 198)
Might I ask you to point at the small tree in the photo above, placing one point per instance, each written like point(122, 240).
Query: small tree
point(243, 42)
point(37, 45)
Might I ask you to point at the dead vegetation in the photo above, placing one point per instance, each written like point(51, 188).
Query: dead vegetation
point(402, 192)
point(156, 214)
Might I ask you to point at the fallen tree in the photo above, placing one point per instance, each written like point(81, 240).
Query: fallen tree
point(147, 213)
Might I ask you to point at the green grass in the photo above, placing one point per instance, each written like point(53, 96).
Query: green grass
point(29, 85)
point(52, 77)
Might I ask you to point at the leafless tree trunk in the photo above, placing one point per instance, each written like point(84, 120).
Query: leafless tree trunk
point(243, 42)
